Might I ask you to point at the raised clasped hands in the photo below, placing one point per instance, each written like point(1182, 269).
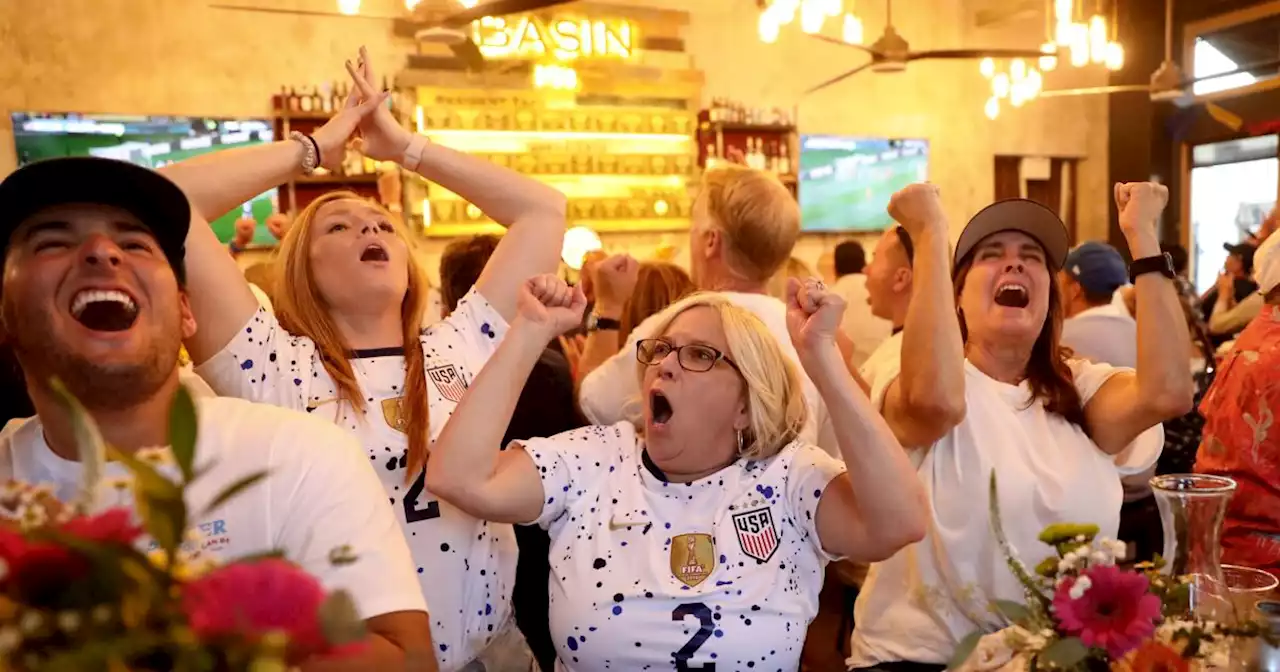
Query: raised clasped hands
point(813, 314)
point(366, 115)
point(550, 306)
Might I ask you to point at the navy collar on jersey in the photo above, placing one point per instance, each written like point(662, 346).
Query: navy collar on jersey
point(370, 353)
point(653, 468)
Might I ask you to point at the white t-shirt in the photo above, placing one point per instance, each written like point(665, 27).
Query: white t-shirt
point(1105, 334)
point(611, 393)
point(1049, 471)
point(882, 368)
point(466, 566)
point(865, 330)
point(319, 495)
point(645, 574)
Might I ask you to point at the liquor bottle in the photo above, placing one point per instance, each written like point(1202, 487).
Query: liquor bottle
point(317, 101)
point(712, 160)
point(304, 102)
point(784, 161)
point(338, 99)
point(281, 101)
point(294, 104)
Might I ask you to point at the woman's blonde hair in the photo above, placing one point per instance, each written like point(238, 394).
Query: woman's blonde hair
point(302, 311)
point(658, 285)
point(775, 398)
point(759, 217)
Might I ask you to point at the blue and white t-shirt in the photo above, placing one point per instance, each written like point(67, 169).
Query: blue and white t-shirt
point(647, 574)
point(466, 566)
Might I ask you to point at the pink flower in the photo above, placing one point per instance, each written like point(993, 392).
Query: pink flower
point(1111, 609)
point(113, 526)
point(250, 599)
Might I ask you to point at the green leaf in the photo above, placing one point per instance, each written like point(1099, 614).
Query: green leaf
point(257, 557)
point(339, 621)
point(90, 446)
point(234, 489)
point(1016, 613)
point(1065, 653)
point(158, 501)
point(1030, 586)
point(182, 432)
point(964, 649)
point(340, 556)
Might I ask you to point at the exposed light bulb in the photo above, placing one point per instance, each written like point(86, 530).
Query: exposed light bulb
point(349, 7)
point(768, 28)
point(811, 17)
point(835, 8)
point(1064, 33)
point(1016, 98)
point(1079, 45)
point(1018, 69)
point(467, 4)
point(852, 29)
point(987, 68)
point(1098, 39)
point(784, 11)
point(1115, 56)
point(1035, 82)
point(1000, 85)
point(992, 108)
point(1050, 59)
point(412, 4)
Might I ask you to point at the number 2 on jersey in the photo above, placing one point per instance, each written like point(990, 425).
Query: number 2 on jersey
point(412, 513)
point(707, 625)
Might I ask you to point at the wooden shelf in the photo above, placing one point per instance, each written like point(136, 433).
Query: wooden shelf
point(742, 127)
point(338, 179)
point(304, 116)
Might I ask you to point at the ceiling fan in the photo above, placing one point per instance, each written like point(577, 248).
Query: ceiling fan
point(452, 30)
point(891, 53)
point(1168, 84)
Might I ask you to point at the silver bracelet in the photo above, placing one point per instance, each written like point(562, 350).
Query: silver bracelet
point(310, 161)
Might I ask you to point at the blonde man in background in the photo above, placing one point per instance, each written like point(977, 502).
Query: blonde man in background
point(745, 225)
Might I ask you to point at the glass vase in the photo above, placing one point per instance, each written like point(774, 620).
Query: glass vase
point(1192, 508)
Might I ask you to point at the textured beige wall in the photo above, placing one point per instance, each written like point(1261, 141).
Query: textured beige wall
point(183, 57)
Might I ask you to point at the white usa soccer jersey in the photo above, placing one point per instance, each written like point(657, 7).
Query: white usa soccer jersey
point(721, 573)
point(466, 567)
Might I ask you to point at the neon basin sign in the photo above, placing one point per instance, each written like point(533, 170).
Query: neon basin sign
point(563, 39)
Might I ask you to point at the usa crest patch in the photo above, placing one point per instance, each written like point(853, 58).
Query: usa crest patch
point(757, 535)
point(448, 382)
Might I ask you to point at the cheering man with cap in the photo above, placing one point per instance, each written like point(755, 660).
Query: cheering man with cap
point(994, 391)
point(1095, 327)
point(1241, 438)
point(93, 295)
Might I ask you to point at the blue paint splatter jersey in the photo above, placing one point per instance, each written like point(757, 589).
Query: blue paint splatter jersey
point(466, 566)
point(720, 573)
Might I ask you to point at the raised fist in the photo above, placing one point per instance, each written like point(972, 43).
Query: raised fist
point(918, 207)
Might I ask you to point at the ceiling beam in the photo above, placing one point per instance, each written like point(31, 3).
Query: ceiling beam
point(995, 12)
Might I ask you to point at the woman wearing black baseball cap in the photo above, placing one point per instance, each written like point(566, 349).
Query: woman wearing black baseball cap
point(994, 391)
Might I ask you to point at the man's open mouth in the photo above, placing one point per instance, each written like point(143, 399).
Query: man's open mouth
point(104, 309)
point(1012, 295)
point(374, 252)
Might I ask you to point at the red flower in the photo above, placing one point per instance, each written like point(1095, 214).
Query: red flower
point(113, 526)
point(37, 571)
point(1113, 611)
point(250, 599)
point(1156, 657)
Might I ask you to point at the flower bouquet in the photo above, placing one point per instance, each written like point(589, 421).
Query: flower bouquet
point(1084, 613)
point(81, 588)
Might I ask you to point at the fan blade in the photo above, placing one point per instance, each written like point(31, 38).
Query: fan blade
point(469, 53)
point(973, 54)
point(837, 80)
point(299, 12)
point(842, 43)
point(1095, 90)
point(1272, 64)
point(498, 8)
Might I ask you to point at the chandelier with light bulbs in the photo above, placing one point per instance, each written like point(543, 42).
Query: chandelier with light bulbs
point(1077, 30)
point(813, 14)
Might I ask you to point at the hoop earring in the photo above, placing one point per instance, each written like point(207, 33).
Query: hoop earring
point(740, 443)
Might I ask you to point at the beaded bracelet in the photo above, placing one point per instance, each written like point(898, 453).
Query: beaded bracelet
point(311, 151)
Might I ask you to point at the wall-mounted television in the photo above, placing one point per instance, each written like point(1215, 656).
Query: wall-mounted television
point(846, 182)
point(147, 141)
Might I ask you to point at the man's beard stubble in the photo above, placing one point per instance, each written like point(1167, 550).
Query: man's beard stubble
point(44, 355)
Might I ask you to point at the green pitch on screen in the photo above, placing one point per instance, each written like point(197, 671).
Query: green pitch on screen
point(37, 146)
point(852, 198)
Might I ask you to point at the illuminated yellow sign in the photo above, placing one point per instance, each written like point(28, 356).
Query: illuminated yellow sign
point(563, 39)
point(555, 77)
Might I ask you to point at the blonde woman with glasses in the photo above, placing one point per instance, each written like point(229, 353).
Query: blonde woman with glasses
point(349, 340)
point(698, 539)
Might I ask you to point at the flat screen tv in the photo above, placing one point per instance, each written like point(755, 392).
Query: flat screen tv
point(846, 182)
point(147, 141)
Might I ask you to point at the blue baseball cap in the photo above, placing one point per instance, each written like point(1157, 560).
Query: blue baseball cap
point(1098, 267)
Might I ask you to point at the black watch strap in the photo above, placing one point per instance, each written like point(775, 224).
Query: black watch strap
point(1161, 263)
point(597, 323)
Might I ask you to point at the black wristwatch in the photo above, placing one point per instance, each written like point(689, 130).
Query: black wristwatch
point(1161, 263)
point(597, 323)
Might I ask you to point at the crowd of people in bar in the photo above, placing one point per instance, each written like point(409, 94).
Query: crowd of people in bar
point(655, 467)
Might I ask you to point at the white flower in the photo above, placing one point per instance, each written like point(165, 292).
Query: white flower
point(10, 638)
point(1100, 557)
point(1079, 588)
point(992, 653)
point(1080, 538)
point(69, 621)
point(30, 621)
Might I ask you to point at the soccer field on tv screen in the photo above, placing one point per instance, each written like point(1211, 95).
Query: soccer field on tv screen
point(845, 183)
